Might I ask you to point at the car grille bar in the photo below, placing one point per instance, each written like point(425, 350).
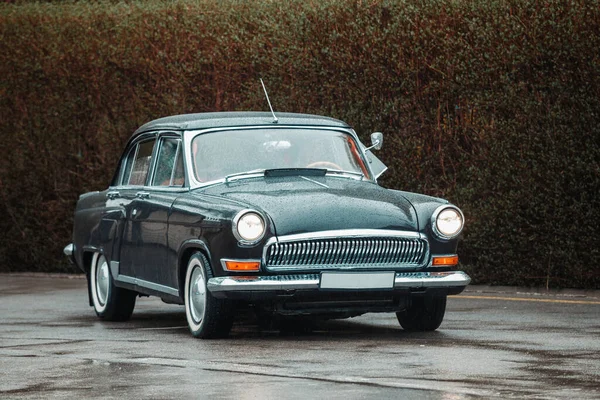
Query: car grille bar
point(351, 252)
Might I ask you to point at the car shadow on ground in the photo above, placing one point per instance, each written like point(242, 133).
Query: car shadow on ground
point(247, 325)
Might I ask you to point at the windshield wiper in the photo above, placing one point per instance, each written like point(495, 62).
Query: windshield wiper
point(247, 174)
point(278, 172)
point(341, 172)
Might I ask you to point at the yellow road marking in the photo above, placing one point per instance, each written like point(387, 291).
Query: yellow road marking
point(533, 300)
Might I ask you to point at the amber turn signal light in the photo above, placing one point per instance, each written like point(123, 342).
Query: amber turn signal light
point(242, 265)
point(445, 261)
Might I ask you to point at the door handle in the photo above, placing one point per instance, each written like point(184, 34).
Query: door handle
point(143, 195)
point(112, 195)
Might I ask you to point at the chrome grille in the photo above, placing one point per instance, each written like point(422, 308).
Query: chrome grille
point(355, 252)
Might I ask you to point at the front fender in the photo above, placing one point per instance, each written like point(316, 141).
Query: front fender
point(185, 251)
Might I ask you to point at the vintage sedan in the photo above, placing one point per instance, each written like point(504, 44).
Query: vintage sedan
point(284, 214)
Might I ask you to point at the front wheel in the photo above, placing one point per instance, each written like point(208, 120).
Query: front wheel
point(111, 303)
point(425, 314)
point(207, 316)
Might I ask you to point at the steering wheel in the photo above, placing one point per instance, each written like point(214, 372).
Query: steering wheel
point(324, 164)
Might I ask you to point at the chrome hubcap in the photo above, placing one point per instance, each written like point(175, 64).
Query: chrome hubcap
point(197, 295)
point(102, 281)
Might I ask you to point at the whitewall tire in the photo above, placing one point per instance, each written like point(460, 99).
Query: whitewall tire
point(110, 302)
point(207, 316)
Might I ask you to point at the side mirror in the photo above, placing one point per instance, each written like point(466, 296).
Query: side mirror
point(376, 141)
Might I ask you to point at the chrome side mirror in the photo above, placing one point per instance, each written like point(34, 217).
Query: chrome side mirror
point(376, 141)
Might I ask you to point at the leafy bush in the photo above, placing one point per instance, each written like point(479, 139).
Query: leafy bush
point(493, 105)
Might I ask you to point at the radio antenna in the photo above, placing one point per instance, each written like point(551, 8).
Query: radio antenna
point(275, 120)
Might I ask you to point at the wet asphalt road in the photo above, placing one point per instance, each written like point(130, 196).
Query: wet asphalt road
point(494, 342)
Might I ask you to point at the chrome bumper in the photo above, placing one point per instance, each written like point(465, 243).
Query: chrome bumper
point(452, 279)
point(69, 250)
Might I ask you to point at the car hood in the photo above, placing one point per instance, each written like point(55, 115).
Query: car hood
point(299, 205)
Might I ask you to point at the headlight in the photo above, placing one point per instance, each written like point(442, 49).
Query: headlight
point(447, 222)
point(248, 227)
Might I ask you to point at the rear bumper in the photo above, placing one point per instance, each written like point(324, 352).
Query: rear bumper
point(236, 286)
point(69, 251)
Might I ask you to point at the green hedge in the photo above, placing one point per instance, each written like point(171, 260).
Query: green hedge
point(491, 104)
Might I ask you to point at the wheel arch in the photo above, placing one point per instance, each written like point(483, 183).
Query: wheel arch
point(87, 255)
point(186, 251)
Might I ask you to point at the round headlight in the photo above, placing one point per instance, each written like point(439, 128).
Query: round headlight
point(249, 227)
point(448, 222)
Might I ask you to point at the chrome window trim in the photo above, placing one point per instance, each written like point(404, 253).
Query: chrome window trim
point(367, 154)
point(135, 149)
point(435, 215)
point(161, 137)
point(156, 136)
point(143, 139)
point(189, 135)
point(177, 157)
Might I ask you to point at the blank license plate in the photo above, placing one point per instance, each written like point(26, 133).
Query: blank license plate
point(357, 280)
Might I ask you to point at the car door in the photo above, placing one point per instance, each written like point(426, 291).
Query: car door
point(131, 195)
point(165, 184)
point(157, 178)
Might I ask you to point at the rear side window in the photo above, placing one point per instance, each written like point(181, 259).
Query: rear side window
point(138, 164)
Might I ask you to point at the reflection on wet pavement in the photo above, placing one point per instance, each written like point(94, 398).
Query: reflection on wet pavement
point(52, 345)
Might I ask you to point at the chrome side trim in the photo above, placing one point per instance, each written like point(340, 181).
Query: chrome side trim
point(312, 281)
point(146, 284)
point(92, 249)
point(114, 268)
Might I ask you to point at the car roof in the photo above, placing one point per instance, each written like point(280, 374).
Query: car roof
point(235, 119)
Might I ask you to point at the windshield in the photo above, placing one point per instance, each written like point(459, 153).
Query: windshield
point(216, 155)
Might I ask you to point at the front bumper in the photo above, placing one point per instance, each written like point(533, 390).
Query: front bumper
point(236, 286)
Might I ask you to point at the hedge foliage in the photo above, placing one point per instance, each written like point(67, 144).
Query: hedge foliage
point(492, 104)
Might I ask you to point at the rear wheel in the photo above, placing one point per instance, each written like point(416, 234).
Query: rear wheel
point(207, 316)
point(425, 314)
point(110, 302)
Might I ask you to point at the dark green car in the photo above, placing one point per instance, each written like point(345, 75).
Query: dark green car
point(218, 210)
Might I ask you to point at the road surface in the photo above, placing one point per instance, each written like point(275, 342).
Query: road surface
point(493, 343)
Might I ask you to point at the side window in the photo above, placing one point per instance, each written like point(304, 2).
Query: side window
point(125, 173)
point(140, 164)
point(178, 173)
point(169, 166)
